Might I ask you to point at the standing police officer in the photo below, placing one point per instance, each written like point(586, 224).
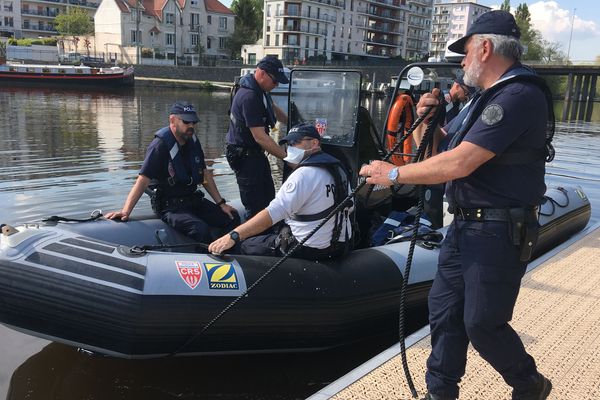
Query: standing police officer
point(175, 166)
point(494, 169)
point(253, 113)
point(317, 185)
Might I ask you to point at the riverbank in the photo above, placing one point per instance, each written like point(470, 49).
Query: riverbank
point(183, 84)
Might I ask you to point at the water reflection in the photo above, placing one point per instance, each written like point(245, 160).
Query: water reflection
point(68, 152)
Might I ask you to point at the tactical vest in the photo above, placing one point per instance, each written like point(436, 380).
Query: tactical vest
point(177, 172)
point(240, 129)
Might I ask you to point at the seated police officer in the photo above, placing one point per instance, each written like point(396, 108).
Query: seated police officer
point(174, 165)
point(316, 186)
point(456, 98)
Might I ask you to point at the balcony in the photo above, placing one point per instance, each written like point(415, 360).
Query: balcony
point(384, 42)
point(36, 13)
point(333, 3)
point(302, 29)
point(38, 28)
point(322, 17)
point(389, 3)
point(287, 13)
point(81, 3)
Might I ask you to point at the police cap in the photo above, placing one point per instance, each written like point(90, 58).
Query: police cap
point(496, 22)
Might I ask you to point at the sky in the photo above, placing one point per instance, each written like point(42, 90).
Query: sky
point(554, 20)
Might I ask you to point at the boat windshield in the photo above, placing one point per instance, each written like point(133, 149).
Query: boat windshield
point(328, 99)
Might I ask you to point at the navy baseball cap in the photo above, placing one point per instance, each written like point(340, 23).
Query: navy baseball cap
point(272, 65)
point(299, 132)
point(496, 22)
point(185, 111)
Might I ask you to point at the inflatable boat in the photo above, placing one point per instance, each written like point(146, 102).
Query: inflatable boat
point(95, 285)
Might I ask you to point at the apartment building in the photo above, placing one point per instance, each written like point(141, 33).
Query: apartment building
point(164, 27)
point(298, 30)
point(451, 19)
point(10, 18)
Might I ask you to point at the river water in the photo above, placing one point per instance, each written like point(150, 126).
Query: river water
point(70, 152)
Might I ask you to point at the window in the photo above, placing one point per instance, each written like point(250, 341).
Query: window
point(269, 10)
point(222, 42)
point(169, 39)
point(193, 39)
point(8, 21)
point(267, 40)
point(194, 20)
point(222, 22)
point(136, 37)
point(134, 14)
point(276, 40)
point(293, 9)
point(316, 43)
point(208, 42)
point(169, 18)
point(209, 19)
point(292, 40)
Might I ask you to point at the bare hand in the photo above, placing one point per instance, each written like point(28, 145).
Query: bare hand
point(229, 210)
point(123, 216)
point(377, 172)
point(220, 245)
point(428, 100)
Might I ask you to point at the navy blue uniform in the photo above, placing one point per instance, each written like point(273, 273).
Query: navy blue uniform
point(182, 207)
point(479, 272)
point(251, 107)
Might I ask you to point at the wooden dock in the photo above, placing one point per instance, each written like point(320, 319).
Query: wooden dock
point(557, 316)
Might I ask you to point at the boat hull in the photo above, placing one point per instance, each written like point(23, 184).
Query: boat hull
point(125, 78)
point(74, 284)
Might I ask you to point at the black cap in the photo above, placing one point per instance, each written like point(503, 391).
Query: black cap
point(494, 22)
point(185, 111)
point(301, 131)
point(273, 66)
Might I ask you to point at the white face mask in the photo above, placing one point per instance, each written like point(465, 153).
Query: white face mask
point(294, 155)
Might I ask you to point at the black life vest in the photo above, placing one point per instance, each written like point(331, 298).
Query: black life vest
point(178, 173)
point(465, 119)
point(248, 82)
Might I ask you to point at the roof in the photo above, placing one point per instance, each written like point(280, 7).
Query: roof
point(217, 7)
point(152, 8)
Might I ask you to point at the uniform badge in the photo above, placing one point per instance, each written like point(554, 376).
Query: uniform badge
point(289, 187)
point(492, 114)
point(171, 169)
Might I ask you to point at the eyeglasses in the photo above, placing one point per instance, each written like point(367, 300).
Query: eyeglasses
point(189, 122)
point(298, 141)
point(275, 81)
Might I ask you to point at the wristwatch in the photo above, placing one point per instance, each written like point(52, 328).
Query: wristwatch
point(393, 175)
point(234, 236)
point(221, 202)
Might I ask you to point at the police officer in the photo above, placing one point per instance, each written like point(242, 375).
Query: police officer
point(316, 186)
point(174, 165)
point(493, 195)
point(252, 114)
point(458, 95)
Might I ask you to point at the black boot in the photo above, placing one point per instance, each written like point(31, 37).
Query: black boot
point(540, 391)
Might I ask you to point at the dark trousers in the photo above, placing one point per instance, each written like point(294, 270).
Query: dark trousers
point(472, 300)
point(268, 245)
point(253, 175)
point(196, 219)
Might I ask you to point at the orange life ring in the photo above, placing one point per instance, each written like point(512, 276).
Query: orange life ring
point(400, 119)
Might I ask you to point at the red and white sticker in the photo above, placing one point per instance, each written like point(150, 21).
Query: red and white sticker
point(190, 272)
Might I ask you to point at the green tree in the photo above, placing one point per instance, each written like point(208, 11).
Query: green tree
point(76, 22)
point(2, 51)
point(505, 6)
point(248, 25)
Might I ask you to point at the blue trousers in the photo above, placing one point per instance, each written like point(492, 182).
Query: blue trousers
point(199, 218)
point(471, 300)
point(255, 182)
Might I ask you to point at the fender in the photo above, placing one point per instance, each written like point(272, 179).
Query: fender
point(401, 117)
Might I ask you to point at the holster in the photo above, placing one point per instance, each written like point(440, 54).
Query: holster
point(157, 201)
point(524, 230)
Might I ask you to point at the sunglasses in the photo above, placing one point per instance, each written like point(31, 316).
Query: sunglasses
point(189, 123)
point(275, 81)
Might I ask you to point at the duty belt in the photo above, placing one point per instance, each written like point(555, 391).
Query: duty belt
point(178, 201)
point(246, 151)
point(482, 214)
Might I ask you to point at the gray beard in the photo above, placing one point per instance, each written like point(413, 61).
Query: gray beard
point(472, 74)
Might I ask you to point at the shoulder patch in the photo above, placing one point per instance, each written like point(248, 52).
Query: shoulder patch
point(492, 114)
point(289, 187)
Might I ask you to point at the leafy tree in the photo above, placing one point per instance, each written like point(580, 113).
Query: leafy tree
point(76, 22)
point(2, 52)
point(241, 36)
point(248, 25)
point(505, 6)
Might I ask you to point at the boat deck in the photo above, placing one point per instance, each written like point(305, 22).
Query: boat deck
point(557, 316)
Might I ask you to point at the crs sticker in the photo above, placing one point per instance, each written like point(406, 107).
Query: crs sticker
point(221, 276)
point(190, 272)
point(321, 125)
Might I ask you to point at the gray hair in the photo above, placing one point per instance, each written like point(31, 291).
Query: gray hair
point(505, 46)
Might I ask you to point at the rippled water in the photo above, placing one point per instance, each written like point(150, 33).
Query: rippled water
point(68, 153)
